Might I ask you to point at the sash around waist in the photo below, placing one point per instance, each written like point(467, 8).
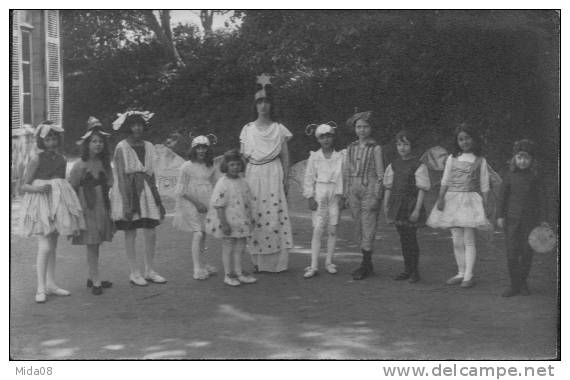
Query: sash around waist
point(472, 188)
point(263, 162)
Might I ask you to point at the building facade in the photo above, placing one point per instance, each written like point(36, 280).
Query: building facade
point(36, 82)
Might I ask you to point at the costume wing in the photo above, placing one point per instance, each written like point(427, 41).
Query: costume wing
point(167, 166)
point(297, 176)
point(434, 158)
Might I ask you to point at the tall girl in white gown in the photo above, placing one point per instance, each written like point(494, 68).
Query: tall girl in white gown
point(264, 144)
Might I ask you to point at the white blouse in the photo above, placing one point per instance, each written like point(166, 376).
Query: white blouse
point(323, 170)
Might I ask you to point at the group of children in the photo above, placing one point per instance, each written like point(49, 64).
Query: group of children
point(462, 204)
point(97, 201)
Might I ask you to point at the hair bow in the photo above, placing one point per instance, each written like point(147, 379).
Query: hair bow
point(46, 127)
point(93, 125)
point(146, 115)
point(319, 130)
point(209, 139)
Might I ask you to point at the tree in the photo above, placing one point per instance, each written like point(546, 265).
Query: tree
point(163, 32)
point(90, 34)
point(207, 20)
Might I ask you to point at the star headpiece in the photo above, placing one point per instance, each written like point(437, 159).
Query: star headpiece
point(263, 86)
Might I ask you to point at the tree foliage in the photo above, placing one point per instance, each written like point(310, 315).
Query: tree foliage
point(425, 71)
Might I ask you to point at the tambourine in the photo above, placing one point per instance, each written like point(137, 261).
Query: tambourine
point(542, 239)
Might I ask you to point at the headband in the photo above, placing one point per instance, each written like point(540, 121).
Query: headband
point(319, 130)
point(146, 115)
point(207, 140)
point(46, 127)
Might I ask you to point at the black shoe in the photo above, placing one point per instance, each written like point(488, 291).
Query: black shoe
point(104, 284)
point(524, 290)
point(362, 272)
point(509, 292)
point(97, 290)
point(414, 277)
point(402, 276)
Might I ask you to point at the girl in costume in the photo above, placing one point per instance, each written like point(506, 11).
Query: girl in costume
point(363, 175)
point(264, 145)
point(49, 207)
point(193, 191)
point(92, 178)
point(135, 200)
point(323, 189)
point(519, 210)
point(229, 217)
point(406, 182)
point(461, 205)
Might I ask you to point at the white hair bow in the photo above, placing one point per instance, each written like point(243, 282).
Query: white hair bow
point(319, 130)
point(207, 140)
point(146, 115)
point(45, 127)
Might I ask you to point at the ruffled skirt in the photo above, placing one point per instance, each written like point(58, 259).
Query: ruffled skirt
point(57, 211)
point(462, 209)
point(187, 218)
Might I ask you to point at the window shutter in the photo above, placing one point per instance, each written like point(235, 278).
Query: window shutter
point(16, 71)
point(53, 68)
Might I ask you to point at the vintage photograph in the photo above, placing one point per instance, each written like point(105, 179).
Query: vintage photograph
point(285, 184)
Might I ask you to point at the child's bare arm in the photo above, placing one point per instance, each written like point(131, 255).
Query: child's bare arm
point(419, 202)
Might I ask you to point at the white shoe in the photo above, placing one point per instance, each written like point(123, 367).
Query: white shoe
point(310, 272)
point(202, 274)
point(41, 297)
point(231, 281)
point(138, 280)
point(212, 270)
point(56, 291)
point(246, 278)
point(331, 268)
point(154, 277)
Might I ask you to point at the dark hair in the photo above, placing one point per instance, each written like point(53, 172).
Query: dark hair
point(132, 120)
point(533, 166)
point(104, 156)
point(477, 142)
point(272, 109)
point(40, 141)
point(209, 154)
point(232, 155)
point(408, 136)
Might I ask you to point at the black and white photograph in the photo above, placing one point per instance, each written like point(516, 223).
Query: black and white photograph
point(286, 184)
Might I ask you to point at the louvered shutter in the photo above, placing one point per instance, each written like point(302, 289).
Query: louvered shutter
point(16, 71)
point(53, 67)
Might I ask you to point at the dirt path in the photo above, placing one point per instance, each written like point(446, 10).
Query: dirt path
point(285, 316)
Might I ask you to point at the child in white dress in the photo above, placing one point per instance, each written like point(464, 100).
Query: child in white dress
point(462, 202)
point(135, 202)
point(323, 189)
point(49, 207)
point(193, 191)
point(229, 217)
